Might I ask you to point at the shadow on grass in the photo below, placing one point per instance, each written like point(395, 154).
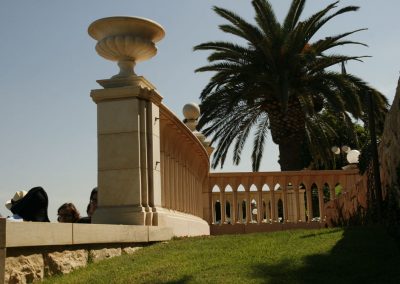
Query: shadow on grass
point(183, 280)
point(320, 233)
point(363, 255)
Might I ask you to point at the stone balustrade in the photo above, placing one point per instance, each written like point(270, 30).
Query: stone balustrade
point(184, 166)
point(269, 197)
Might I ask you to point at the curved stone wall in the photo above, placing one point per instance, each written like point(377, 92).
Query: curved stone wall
point(389, 147)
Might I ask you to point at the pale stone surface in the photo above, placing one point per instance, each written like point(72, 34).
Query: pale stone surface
point(127, 215)
point(123, 113)
point(158, 233)
point(64, 262)
point(130, 250)
point(182, 224)
point(99, 233)
point(126, 40)
point(155, 120)
point(157, 190)
point(123, 25)
point(119, 151)
point(96, 255)
point(116, 180)
point(126, 160)
point(39, 234)
point(24, 269)
point(389, 147)
point(140, 88)
point(191, 111)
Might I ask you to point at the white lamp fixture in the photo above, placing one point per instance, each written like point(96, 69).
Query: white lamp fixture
point(346, 149)
point(352, 156)
point(335, 150)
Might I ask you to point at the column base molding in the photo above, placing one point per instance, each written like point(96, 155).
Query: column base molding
point(182, 224)
point(126, 215)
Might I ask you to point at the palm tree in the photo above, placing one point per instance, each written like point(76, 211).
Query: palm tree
point(278, 83)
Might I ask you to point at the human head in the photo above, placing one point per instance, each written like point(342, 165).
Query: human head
point(92, 206)
point(17, 197)
point(67, 213)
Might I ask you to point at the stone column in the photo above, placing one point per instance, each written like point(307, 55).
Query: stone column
point(297, 202)
point(260, 209)
point(222, 207)
point(321, 202)
point(273, 207)
point(234, 207)
point(285, 204)
point(128, 154)
point(309, 204)
point(248, 206)
point(128, 124)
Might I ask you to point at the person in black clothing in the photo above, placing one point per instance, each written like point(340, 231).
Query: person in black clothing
point(33, 206)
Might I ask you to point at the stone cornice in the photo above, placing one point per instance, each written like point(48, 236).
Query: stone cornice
point(138, 87)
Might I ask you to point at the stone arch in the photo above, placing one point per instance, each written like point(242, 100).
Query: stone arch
point(277, 187)
point(241, 188)
point(253, 188)
point(228, 188)
point(216, 188)
point(265, 187)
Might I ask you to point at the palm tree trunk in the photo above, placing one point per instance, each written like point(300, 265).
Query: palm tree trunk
point(288, 130)
point(290, 155)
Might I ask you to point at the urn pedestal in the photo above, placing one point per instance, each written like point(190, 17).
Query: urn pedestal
point(128, 131)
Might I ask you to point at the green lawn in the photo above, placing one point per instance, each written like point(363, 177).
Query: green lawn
point(357, 255)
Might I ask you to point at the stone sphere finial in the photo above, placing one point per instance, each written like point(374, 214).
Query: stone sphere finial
point(191, 111)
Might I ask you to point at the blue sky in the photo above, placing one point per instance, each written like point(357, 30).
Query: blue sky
point(49, 66)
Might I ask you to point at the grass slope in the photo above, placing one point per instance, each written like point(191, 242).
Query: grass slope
point(356, 255)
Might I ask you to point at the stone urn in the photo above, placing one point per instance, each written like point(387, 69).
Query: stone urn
point(126, 40)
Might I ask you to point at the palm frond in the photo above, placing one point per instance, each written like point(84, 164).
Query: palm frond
point(293, 15)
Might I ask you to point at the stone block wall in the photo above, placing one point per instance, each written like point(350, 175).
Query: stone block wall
point(27, 265)
point(350, 207)
point(347, 208)
point(31, 251)
point(389, 147)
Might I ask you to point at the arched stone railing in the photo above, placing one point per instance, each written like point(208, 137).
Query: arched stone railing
point(269, 197)
point(184, 166)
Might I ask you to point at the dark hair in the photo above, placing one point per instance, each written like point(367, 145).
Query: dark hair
point(71, 209)
point(88, 208)
point(94, 191)
point(33, 207)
